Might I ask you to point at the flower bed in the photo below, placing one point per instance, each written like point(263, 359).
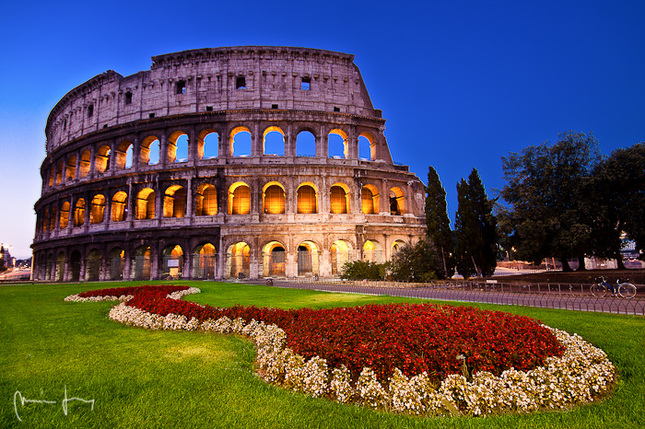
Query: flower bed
point(422, 359)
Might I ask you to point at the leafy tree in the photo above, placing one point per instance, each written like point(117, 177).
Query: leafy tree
point(475, 229)
point(415, 263)
point(618, 198)
point(438, 224)
point(361, 270)
point(550, 213)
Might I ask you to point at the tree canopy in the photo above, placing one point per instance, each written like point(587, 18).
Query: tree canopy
point(438, 223)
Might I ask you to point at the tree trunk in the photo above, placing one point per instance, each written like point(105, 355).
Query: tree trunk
point(581, 263)
point(565, 265)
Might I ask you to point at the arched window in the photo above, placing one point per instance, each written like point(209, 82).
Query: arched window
point(306, 144)
point(307, 259)
point(239, 199)
point(59, 172)
point(339, 199)
point(273, 141)
point(273, 198)
point(141, 263)
point(238, 260)
point(79, 212)
point(86, 160)
point(204, 261)
point(174, 203)
point(397, 201)
point(373, 252)
point(274, 259)
point(149, 153)
point(370, 200)
point(145, 208)
point(240, 142)
point(207, 144)
point(337, 144)
point(366, 147)
point(307, 199)
point(124, 155)
point(177, 147)
point(173, 261)
point(119, 206)
point(206, 200)
point(52, 218)
point(97, 209)
point(340, 255)
point(70, 168)
point(93, 265)
point(64, 215)
point(102, 159)
point(116, 263)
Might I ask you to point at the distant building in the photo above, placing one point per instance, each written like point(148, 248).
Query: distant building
point(5, 256)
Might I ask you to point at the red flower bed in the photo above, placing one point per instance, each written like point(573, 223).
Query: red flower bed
point(132, 290)
point(411, 337)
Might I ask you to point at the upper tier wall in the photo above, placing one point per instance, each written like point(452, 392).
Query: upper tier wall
point(217, 79)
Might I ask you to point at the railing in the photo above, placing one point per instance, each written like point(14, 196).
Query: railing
point(569, 296)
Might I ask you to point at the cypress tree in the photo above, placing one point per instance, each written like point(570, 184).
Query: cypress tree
point(437, 222)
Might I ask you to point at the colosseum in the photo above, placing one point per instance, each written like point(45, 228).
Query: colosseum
point(241, 162)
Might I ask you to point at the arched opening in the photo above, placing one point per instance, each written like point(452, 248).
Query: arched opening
point(340, 255)
point(141, 263)
point(339, 199)
point(70, 168)
point(93, 265)
point(79, 212)
point(44, 220)
point(149, 152)
point(273, 141)
point(273, 198)
point(398, 244)
point(64, 215)
point(240, 142)
point(102, 159)
point(373, 252)
point(52, 173)
point(306, 144)
point(145, 208)
point(75, 266)
point(60, 267)
point(49, 267)
point(337, 144)
point(116, 263)
point(52, 218)
point(119, 206)
point(206, 200)
point(59, 172)
point(397, 201)
point(307, 199)
point(370, 200)
point(366, 147)
point(177, 147)
point(274, 259)
point(207, 144)
point(204, 261)
point(307, 259)
point(85, 163)
point(238, 260)
point(174, 202)
point(124, 155)
point(173, 261)
point(97, 209)
point(239, 199)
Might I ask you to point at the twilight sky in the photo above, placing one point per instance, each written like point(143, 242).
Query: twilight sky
point(461, 83)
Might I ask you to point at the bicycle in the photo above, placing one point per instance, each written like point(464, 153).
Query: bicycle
point(625, 290)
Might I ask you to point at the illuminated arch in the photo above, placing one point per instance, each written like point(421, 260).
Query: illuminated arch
point(59, 172)
point(273, 147)
point(70, 168)
point(234, 132)
point(64, 215)
point(370, 200)
point(366, 146)
point(119, 206)
point(124, 155)
point(85, 163)
point(116, 263)
point(149, 151)
point(397, 245)
point(206, 200)
point(273, 198)
point(79, 212)
point(307, 198)
point(102, 159)
point(239, 198)
point(397, 201)
point(97, 209)
point(141, 263)
point(173, 261)
point(373, 251)
point(145, 207)
point(174, 201)
point(339, 198)
point(308, 263)
point(340, 254)
point(177, 144)
point(204, 261)
point(238, 260)
point(306, 143)
point(207, 144)
point(274, 259)
point(333, 151)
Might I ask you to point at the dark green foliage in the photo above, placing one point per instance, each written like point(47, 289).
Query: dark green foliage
point(361, 270)
point(475, 229)
point(416, 263)
point(438, 224)
point(550, 213)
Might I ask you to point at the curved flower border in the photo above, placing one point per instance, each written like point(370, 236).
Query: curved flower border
point(582, 374)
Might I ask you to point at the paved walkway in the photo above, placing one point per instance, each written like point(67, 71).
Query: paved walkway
point(547, 299)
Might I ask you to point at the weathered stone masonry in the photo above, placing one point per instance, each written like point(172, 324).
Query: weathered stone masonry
point(150, 175)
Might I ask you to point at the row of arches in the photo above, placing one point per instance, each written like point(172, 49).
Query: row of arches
point(274, 198)
point(204, 262)
point(176, 148)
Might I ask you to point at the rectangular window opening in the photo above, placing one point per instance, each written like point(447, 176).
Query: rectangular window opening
point(128, 98)
point(336, 109)
point(209, 108)
point(305, 84)
point(240, 82)
point(90, 110)
point(152, 115)
point(181, 87)
point(274, 106)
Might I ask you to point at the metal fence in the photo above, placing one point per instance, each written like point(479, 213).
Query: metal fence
point(567, 296)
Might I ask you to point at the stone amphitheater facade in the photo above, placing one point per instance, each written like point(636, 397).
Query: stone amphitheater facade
point(221, 163)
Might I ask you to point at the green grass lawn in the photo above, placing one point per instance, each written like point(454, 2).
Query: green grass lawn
point(147, 379)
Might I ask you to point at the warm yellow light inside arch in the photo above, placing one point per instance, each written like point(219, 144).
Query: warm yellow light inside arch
point(232, 135)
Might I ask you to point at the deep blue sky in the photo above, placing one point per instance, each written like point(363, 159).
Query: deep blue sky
point(461, 83)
